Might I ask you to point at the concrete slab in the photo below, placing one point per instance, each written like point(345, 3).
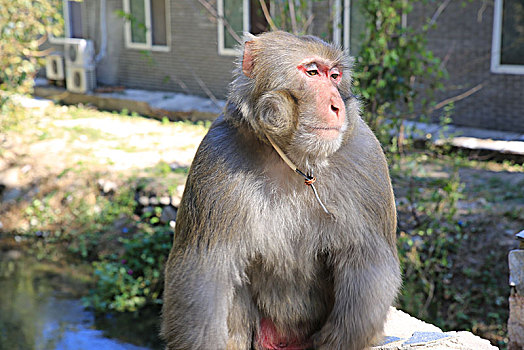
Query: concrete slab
point(469, 138)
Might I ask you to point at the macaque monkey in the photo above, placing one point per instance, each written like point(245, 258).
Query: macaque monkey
point(264, 257)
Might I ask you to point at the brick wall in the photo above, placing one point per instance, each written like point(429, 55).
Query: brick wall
point(463, 35)
point(193, 55)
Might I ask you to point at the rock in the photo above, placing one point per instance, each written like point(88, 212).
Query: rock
point(11, 194)
point(10, 177)
point(164, 200)
point(13, 255)
point(405, 332)
point(516, 322)
point(153, 201)
point(143, 200)
point(25, 169)
point(516, 270)
point(148, 209)
point(175, 201)
point(107, 186)
point(168, 215)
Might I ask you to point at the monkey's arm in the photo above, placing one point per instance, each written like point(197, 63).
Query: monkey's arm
point(365, 287)
point(207, 261)
point(199, 291)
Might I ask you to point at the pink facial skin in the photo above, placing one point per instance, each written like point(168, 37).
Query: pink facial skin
point(324, 80)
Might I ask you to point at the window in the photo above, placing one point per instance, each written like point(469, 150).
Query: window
point(72, 13)
point(507, 50)
point(147, 24)
point(348, 25)
point(238, 16)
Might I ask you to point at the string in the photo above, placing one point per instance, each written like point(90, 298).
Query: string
point(308, 178)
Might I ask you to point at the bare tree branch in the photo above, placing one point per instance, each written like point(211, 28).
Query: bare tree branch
point(267, 15)
point(308, 23)
point(214, 13)
point(458, 97)
point(439, 10)
point(480, 13)
point(448, 55)
point(292, 15)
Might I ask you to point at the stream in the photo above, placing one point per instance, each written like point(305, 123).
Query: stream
point(41, 309)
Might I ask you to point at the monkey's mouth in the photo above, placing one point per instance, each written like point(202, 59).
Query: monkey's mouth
point(330, 132)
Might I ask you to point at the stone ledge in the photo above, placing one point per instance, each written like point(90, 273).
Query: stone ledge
point(149, 103)
point(405, 332)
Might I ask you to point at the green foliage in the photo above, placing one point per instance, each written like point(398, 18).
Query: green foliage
point(395, 73)
point(428, 239)
point(24, 26)
point(129, 281)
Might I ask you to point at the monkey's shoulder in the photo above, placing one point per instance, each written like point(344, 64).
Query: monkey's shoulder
point(227, 147)
point(362, 150)
point(224, 167)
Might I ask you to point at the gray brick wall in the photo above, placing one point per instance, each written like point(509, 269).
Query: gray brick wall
point(464, 34)
point(193, 55)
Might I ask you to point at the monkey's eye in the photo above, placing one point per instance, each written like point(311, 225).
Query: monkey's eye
point(335, 76)
point(312, 72)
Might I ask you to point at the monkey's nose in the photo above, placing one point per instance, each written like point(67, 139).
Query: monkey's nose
point(335, 109)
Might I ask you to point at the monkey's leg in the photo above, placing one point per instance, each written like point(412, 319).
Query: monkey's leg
point(243, 316)
point(198, 296)
point(365, 287)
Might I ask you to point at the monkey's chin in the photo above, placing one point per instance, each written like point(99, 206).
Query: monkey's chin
point(313, 148)
point(327, 133)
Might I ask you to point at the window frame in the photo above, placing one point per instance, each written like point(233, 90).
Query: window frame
point(148, 45)
point(67, 24)
point(246, 23)
point(342, 31)
point(496, 44)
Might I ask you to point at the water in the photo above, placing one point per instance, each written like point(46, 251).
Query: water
point(41, 309)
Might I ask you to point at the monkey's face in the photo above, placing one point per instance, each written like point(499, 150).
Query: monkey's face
point(294, 89)
point(322, 120)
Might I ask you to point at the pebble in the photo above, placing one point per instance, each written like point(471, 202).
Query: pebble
point(165, 200)
point(107, 186)
point(168, 215)
point(10, 177)
point(11, 195)
point(175, 201)
point(143, 200)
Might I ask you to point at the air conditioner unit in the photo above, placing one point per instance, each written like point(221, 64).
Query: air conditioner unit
point(54, 66)
point(79, 52)
point(80, 79)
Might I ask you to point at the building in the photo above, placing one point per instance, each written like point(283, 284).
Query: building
point(183, 46)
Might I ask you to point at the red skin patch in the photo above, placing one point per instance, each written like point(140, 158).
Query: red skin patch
point(270, 339)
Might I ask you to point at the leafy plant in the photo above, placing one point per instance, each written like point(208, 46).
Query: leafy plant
point(24, 26)
point(129, 281)
point(395, 73)
point(428, 238)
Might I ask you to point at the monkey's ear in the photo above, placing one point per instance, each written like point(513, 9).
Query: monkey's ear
point(248, 59)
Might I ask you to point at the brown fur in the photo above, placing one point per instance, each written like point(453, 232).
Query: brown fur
point(251, 241)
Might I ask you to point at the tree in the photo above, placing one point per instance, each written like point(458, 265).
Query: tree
point(24, 27)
